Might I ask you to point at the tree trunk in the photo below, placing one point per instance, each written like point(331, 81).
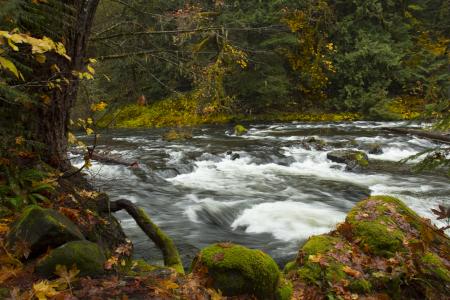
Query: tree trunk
point(53, 119)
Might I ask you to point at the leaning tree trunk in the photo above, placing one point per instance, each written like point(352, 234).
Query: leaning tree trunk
point(74, 19)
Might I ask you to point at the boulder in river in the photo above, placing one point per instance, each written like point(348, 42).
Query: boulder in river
point(240, 130)
point(39, 228)
point(383, 250)
point(88, 257)
point(353, 159)
point(373, 148)
point(237, 270)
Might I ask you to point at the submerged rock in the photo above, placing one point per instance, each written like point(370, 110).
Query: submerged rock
point(236, 270)
point(353, 159)
point(382, 250)
point(38, 228)
point(88, 257)
point(314, 143)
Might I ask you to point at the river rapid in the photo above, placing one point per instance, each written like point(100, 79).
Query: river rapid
point(272, 198)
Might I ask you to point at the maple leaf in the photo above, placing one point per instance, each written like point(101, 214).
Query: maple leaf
point(112, 261)
point(66, 276)
point(44, 289)
point(6, 273)
point(442, 213)
point(218, 257)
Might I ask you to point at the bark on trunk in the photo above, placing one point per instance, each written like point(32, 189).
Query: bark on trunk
point(54, 118)
point(162, 241)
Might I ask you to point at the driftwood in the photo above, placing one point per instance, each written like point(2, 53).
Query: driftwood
point(113, 160)
point(103, 158)
point(421, 133)
point(161, 240)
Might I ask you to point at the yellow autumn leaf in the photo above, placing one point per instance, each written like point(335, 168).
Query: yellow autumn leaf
point(71, 138)
point(98, 106)
point(20, 140)
point(89, 131)
point(8, 65)
point(45, 289)
point(40, 58)
point(168, 284)
point(91, 69)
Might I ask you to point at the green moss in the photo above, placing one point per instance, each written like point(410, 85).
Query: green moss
point(237, 270)
point(240, 130)
point(381, 233)
point(284, 290)
point(311, 272)
point(290, 266)
point(360, 286)
point(175, 135)
point(170, 252)
point(378, 238)
point(314, 273)
point(87, 256)
point(42, 228)
point(319, 244)
point(361, 159)
point(432, 265)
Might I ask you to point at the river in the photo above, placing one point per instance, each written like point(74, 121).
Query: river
point(273, 197)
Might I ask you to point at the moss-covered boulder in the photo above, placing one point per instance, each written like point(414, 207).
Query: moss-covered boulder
point(353, 159)
point(88, 257)
point(240, 130)
point(177, 135)
point(39, 228)
point(383, 249)
point(237, 270)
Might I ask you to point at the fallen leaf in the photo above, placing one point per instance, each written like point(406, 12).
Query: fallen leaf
point(352, 272)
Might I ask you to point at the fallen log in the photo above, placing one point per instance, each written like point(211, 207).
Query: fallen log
point(421, 133)
point(161, 240)
point(111, 160)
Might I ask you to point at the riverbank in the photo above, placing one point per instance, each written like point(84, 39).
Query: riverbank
point(382, 250)
point(156, 116)
point(182, 111)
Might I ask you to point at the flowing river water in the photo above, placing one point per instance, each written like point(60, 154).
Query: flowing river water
point(273, 197)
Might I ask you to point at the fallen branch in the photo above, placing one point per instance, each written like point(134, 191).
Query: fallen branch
point(421, 133)
point(161, 240)
point(108, 159)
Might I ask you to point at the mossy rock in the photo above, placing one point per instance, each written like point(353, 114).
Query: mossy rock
point(433, 267)
point(373, 224)
point(284, 290)
point(353, 159)
point(383, 248)
point(88, 257)
point(237, 270)
point(240, 130)
point(40, 228)
point(177, 135)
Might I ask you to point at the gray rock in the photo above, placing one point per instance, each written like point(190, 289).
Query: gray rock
point(354, 160)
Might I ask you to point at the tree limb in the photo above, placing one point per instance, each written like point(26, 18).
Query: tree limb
point(161, 240)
